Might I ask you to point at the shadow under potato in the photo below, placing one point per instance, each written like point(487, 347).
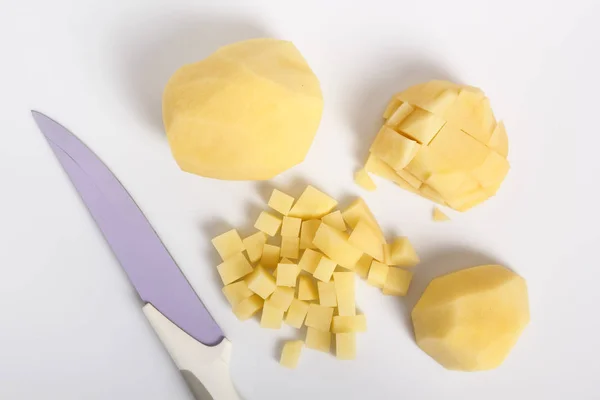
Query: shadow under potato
point(152, 51)
point(385, 79)
point(439, 263)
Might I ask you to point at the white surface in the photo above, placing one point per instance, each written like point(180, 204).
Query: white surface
point(71, 325)
point(207, 365)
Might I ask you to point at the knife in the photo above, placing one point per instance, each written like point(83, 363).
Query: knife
point(191, 336)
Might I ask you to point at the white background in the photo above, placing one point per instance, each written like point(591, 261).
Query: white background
point(70, 324)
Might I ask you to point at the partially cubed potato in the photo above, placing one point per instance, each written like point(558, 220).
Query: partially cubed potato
point(296, 313)
point(335, 220)
point(270, 256)
point(307, 288)
point(319, 317)
point(287, 274)
point(327, 295)
point(307, 233)
point(345, 346)
point(364, 238)
point(281, 202)
point(290, 247)
point(345, 293)
point(291, 227)
point(234, 268)
point(272, 316)
point(348, 324)
point(421, 125)
point(397, 282)
point(282, 297)
point(362, 179)
point(291, 353)
point(246, 308)
point(399, 114)
point(457, 150)
point(324, 269)
point(359, 211)
point(376, 166)
point(450, 184)
point(228, 244)
point(493, 170)
point(499, 140)
point(268, 223)
point(312, 203)
point(261, 282)
point(377, 274)
point(318, 340)
point(334, 244)
point(254, 245)
point(309, 261)
point(363, 265)
point(403, 253)
point(393, 148)
point(236, 292)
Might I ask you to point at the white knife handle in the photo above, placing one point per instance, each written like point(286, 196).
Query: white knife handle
point(208, 365)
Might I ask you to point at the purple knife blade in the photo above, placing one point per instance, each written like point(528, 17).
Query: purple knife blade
point(149, 266)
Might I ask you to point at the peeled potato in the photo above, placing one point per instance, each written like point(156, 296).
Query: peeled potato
point(247, 112)
point(441, 140)
point(469, 320)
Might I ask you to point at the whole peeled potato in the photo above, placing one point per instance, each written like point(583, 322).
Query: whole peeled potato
point(469, 320)
point(247, 112)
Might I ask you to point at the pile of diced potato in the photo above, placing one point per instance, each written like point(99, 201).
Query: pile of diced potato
point(309, 277)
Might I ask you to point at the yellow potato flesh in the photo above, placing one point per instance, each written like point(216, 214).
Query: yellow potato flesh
point(469, 320)
point(247, 112)
point(441, 141)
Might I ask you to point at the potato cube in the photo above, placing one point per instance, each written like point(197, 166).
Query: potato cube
point(281, 202)
point(268, 223)
point(291, 227)
point(392, 106)
point(236, 292)
point(334, 244)
point(359, 211)
point(318, 340)
point(287, 274)
point(319, 317)
point(228, 244)
point(312, 203)
point(364, 238)
point(234, 268)
point(335, 220)
point(344, 291)
point(246, 308)
point(393, 148)
point(254, 245)
point(270, 256)
point(307, 288)
point(399, 115)
point(309, 261)
point(286, 261)
point(272, 316)
point(438, 215)
point(324, 269)
point(307, 233)
point(291, 353)
point(362, 179)
point(290, 247)
point(345, 346)
point(327, 296)
point(403, 253)
point(457, 150)
point(347, 324)
point(296, 313)
point(397, 282)
point(282, 297)
point(261, 282)
point(363, 265)
point(377, 274)
point(375, 166)
point(421, 125)
point(499, 140)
